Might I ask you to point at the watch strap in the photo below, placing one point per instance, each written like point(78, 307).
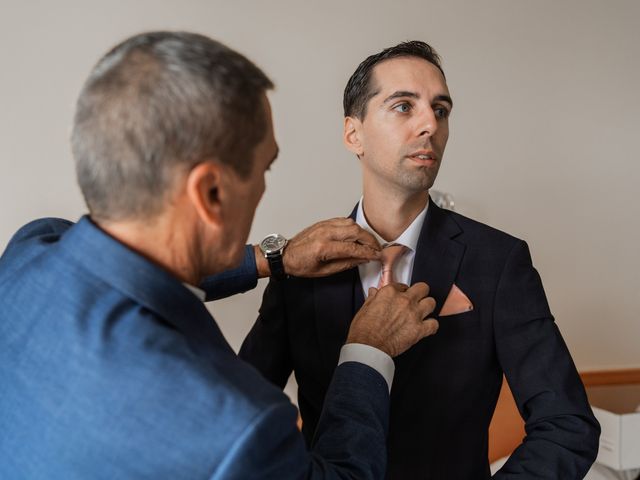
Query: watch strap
point(276, 265)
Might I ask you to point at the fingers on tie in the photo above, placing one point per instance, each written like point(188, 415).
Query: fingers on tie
point(363, 252)
point(366, 238)
point(352, 232)
point(345, 233)
point(347, 251)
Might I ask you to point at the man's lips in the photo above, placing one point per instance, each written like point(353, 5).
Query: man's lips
point(424, 157)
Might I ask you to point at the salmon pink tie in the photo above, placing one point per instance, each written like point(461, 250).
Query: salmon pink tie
point(388, 258)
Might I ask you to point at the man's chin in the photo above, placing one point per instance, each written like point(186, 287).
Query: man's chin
point(412, 186)
point(426, 180)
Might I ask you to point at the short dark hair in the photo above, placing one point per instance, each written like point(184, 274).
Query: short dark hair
point(156, 103)
point(359, 89)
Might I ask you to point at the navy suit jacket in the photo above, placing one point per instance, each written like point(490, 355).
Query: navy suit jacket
point(445, 387)
point(110, 368)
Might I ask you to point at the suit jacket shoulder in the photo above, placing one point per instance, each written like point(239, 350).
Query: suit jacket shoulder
point(475, 233)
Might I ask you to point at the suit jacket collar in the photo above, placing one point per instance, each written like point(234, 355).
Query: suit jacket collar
point(144, 282)
point(437, 262)
point(438, 255)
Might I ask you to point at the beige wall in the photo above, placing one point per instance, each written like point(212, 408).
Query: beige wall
point(544, 137)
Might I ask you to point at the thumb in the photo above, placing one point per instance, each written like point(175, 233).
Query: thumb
point(372, 292)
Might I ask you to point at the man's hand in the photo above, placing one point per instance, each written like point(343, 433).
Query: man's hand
point(325, 248)
point(393, 318)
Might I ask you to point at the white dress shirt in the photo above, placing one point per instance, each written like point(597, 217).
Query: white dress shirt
point(370, 272)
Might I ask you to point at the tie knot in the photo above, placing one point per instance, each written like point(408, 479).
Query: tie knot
point(388, 257)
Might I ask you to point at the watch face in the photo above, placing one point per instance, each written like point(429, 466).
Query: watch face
point(273, 243)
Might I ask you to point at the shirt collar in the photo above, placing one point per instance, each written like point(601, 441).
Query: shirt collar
point(408, 238)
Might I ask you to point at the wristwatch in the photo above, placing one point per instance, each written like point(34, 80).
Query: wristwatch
point(272, 247)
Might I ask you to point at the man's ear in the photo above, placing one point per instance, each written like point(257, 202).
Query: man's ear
point(204, 184)
point(352, 135)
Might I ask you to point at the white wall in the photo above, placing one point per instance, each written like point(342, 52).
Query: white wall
point(544, 130)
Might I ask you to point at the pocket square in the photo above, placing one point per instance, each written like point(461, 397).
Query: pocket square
point(456, 302)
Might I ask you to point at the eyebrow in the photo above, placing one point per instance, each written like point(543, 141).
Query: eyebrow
point(407, 94)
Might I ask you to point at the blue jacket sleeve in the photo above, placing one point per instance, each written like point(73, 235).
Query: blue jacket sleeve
point(349, 441)
point(238, 280)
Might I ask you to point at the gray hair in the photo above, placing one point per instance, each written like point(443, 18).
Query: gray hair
point(157, 104)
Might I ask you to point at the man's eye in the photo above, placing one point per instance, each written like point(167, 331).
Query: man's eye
point(441, 112)
point(402, 107)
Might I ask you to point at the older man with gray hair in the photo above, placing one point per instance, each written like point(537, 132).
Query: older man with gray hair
point(110, 365)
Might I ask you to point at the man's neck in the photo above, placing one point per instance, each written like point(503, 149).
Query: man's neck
point(391, 213)
point(161, 241)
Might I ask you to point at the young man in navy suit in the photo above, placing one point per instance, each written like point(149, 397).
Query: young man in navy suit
point(110, 365)
point(494, 317)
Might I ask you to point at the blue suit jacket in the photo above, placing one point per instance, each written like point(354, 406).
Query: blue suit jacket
point(110, 368)
point(446, 386)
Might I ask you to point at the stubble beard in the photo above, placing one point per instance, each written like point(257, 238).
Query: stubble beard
point(415, 179)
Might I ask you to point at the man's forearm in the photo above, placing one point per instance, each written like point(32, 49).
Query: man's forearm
point(323, 249)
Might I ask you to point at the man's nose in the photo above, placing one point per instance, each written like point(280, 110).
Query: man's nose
point(428, 123)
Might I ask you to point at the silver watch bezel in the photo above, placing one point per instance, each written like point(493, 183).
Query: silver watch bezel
point(267, 247)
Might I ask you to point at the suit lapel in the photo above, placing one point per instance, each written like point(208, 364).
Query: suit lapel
point(438, 256)
point(437, 261)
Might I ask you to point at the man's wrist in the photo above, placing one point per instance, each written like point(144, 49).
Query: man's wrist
point(262, 265)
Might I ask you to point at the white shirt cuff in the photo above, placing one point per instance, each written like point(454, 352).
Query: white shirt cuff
point(371, 356)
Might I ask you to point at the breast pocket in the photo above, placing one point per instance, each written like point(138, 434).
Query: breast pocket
point(461, 332)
